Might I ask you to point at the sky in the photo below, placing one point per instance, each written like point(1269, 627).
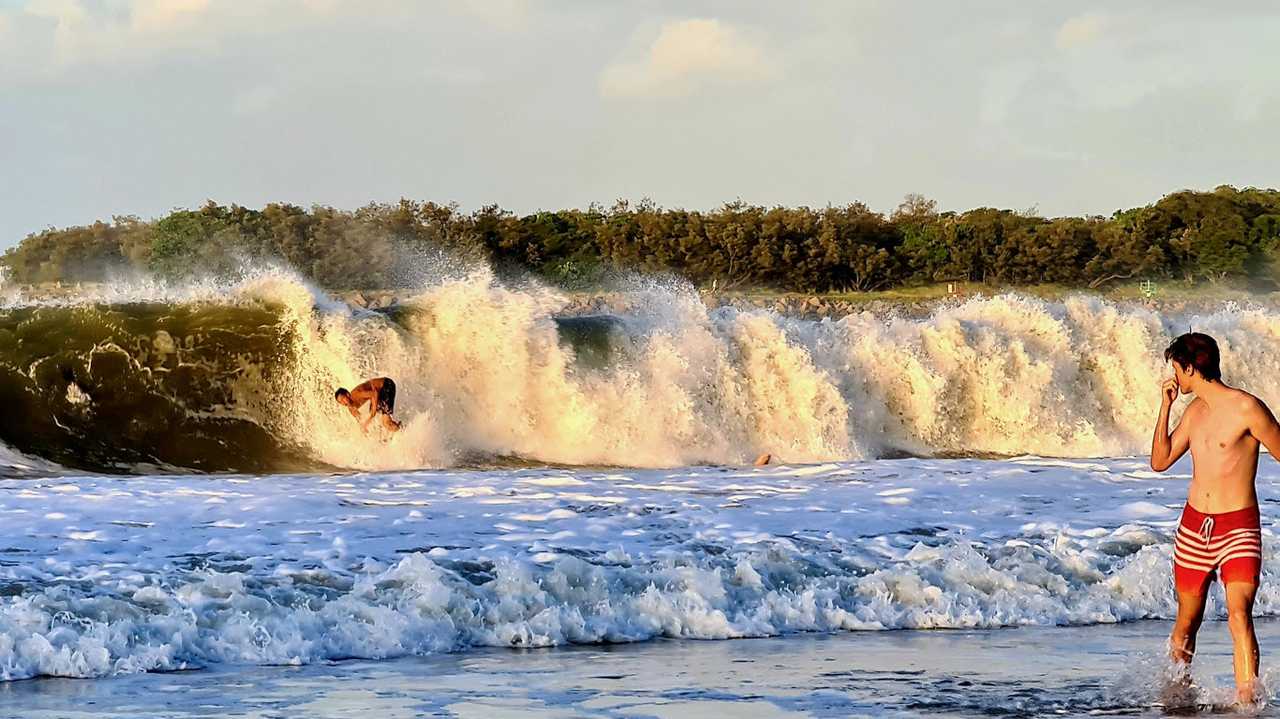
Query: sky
point(136, 107)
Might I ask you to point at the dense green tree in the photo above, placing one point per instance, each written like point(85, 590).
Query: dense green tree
point(1187, 235)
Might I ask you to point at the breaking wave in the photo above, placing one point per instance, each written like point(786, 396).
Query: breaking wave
point(240, 378)
point(417, 606)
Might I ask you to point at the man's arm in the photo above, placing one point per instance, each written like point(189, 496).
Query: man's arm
point(372, 388)
point(1165, 448)
point(360, 395)
point(1264, 428)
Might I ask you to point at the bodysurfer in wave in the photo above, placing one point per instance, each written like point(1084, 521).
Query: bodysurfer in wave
point(380, 393)
point(1220, 530)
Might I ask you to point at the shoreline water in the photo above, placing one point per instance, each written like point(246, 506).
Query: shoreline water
point(1104, 670)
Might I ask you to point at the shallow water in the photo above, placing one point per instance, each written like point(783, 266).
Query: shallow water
point(1104, 670)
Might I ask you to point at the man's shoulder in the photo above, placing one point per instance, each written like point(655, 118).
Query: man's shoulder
point(1250, 409)
point(1247, 402)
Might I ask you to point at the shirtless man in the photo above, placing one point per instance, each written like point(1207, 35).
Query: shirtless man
point(1219, 530)
point(380, 393)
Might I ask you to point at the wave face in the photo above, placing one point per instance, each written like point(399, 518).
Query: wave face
point(240, 378)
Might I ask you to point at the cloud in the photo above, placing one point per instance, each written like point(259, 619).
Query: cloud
point(502, 14)
point(153, 16)
point(61, 12)
point(47, 38)
point(1081, 30)
point(686, 56)
point(76, 31)
point(255, 101)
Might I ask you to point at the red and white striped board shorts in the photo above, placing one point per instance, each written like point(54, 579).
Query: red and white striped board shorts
point(1229, 543)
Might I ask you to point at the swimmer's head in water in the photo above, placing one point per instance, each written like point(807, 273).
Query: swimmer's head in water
point(343, 396)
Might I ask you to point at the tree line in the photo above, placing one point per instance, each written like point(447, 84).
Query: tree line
point(1186, 235)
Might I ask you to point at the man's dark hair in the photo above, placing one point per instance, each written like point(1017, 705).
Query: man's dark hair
point(341, 391)
point(1196, 349)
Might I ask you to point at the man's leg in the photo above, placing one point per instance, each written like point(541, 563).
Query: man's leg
point(1178, 692)
point(1240, 597)
point(387, 405)
point(1182, 643)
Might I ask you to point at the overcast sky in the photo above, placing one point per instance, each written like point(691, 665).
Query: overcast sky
point(138, 106)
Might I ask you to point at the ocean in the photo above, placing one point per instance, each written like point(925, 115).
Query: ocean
point(958, 521)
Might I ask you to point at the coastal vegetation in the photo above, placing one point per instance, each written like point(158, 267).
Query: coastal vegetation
point(1186, 236)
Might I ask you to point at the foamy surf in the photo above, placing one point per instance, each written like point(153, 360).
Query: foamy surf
point(105, 575)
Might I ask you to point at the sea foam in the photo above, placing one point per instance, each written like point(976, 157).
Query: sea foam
point(156, 573)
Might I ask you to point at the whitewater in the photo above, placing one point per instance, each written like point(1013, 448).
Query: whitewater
point(244, 373)
point(107, 575)
point(179, 491)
